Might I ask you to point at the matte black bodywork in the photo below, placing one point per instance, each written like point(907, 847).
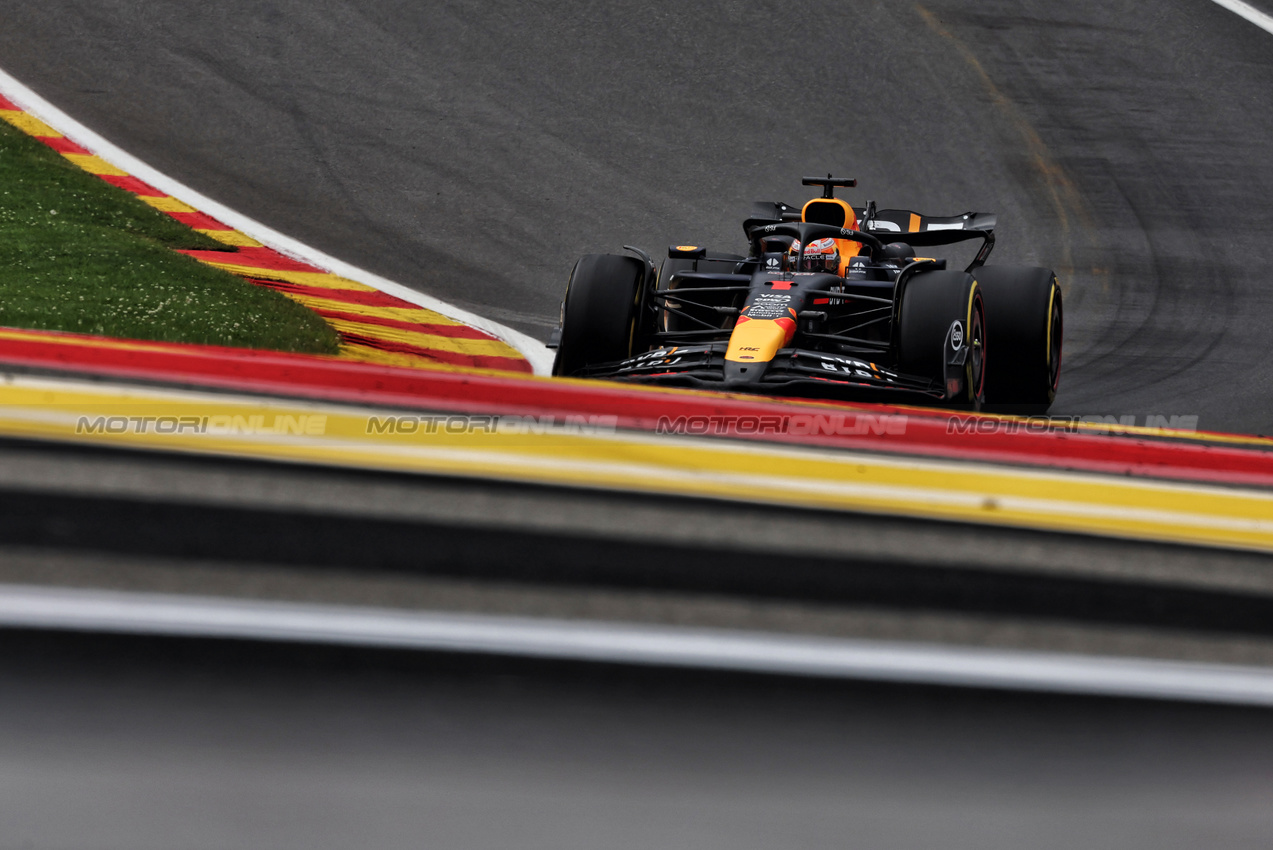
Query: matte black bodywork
point(846, 340)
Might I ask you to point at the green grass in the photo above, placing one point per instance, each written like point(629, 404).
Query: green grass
point(78, 254)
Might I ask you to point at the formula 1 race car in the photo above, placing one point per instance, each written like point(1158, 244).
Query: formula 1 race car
point(820, 307)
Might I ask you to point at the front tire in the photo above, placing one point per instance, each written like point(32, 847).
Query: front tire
point(599, 314)
point(1025, 323)
point(942, 334)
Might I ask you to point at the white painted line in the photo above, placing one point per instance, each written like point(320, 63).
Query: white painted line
point(1263, 20)
point(622, 643)
point(540, 358)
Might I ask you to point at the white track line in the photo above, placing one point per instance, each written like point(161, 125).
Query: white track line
point(757, 652)
point(534, 351)
point(1263, 20)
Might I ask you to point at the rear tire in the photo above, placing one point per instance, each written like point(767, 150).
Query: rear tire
point(932, 303)
point(598, 320)
point(1025, 324)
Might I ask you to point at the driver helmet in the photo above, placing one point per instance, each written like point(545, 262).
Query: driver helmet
point(821, 255)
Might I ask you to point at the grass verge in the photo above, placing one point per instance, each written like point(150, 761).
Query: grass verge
point(78, 254)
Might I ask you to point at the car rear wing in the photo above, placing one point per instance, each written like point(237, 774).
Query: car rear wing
point(920, 231)
point(908, 223)
point(931, 230)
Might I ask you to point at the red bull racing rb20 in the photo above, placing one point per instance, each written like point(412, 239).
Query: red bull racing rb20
point(830, 301)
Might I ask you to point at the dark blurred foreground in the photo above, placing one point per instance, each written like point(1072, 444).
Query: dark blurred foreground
point(110, 742)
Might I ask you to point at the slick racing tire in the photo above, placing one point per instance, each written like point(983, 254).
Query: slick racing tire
point(941, 334)
point(598, 316)
point(1024, 323)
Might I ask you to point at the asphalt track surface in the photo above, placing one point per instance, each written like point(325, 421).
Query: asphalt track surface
point(473, 151)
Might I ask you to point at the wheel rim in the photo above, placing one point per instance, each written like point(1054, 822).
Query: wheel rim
point(977, 351)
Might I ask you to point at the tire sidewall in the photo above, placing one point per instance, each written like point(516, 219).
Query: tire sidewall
point(932, 303)
point(600, 312)
point(1025, 329)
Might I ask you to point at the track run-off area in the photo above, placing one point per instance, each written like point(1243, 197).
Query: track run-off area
point(456, 160)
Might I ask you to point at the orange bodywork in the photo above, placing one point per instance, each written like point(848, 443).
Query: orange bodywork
point(758, 340)
point(837, 213)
